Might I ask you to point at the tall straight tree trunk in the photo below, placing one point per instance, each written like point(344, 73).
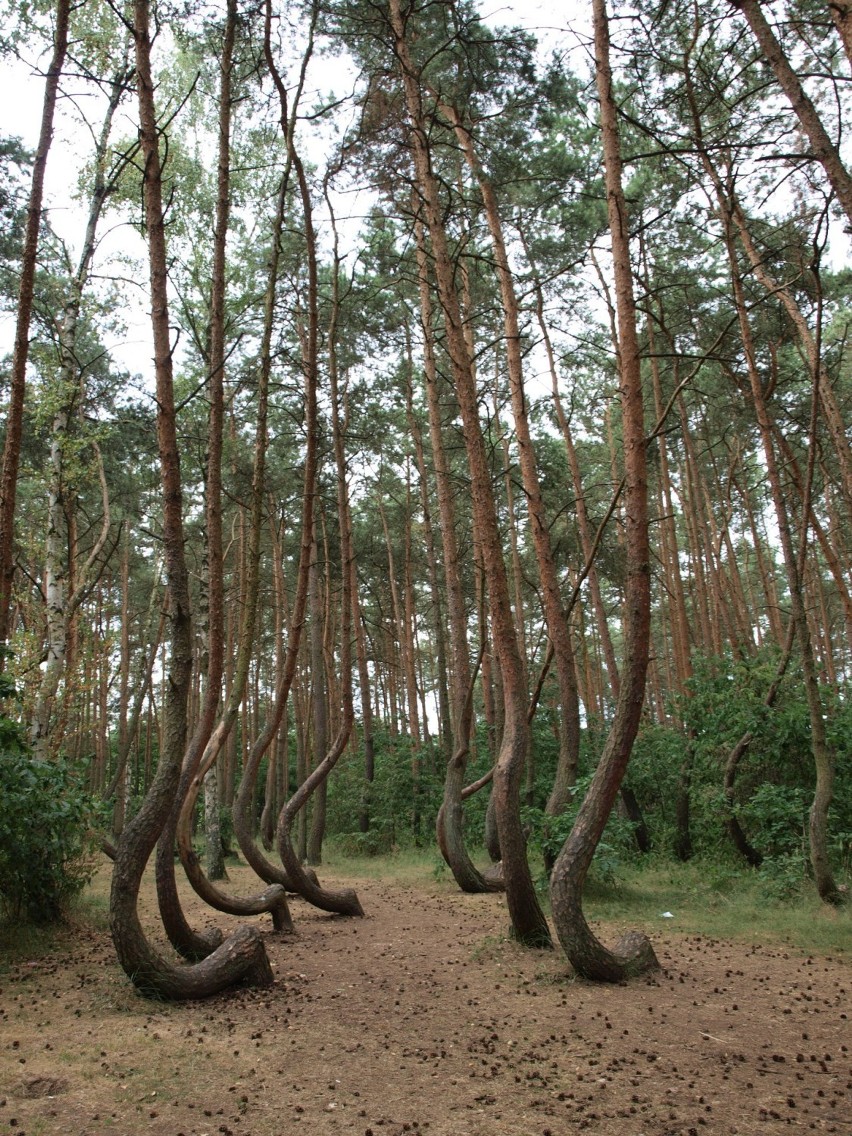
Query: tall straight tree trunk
point(587, 543)
point(833, 557)
point(528, 922)
point(832, 414)
point(17, 376)
point(152, 634)
point(823, 754)
point(695, 531)
point(677, 608)
point(445, 729)
point(763, 554)
point(276, 770)
point(319, 703)
point(634, 953)
point(366, 713)
point(822, 147)
point(65, 589)
point(409, 616)
point(399, 635)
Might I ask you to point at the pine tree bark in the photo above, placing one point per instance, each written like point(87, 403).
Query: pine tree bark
point(634, 954)
point(319, 704)
point(242, 957)
point(554, 615)
point(823, 149)
point(445, 728)
point(528, 922)
point(17, 376)
point(841, 13)
point(203, 750)
point(449, 823)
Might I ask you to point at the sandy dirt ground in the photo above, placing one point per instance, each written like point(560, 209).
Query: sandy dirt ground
point(423, 1017)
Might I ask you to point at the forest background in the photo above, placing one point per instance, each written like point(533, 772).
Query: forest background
point(398, 535)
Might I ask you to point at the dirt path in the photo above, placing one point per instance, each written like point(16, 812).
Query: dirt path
point(423, 1018)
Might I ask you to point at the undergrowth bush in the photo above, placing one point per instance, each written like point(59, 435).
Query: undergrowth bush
point(400, 807)
point(547, 835)
point(46, 818)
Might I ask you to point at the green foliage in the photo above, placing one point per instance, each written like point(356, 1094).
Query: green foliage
point(547, 835)
point(45, 825)
point(401, 807)
point(14, 165)
point(778, 815)
point(775, 779)
point(658, 755)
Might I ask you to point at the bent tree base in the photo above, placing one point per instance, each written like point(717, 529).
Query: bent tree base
point(633, 954)
point(449, 831)
point(241, 958)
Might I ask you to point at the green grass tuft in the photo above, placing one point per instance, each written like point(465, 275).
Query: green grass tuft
point(724, 902)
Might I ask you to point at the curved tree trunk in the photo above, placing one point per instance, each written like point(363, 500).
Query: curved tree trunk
point(245, 793)
point(243, 956)
point(186, 941)
point(310, 362)
point(634, 953)
point(273, 898)
point(555, 618)
point(528, 922)
point(344, 901)
point(449, 822)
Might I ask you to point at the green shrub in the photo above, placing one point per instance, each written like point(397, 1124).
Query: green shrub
point(547, 835)
point(777, 816)
point(401, 810)
point(46, 851)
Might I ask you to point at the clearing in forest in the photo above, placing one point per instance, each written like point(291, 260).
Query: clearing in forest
point(424, 1018)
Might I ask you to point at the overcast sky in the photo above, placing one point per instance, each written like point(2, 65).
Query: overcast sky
point(22, 92)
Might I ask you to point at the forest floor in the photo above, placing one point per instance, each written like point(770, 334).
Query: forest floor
point(424, 1018)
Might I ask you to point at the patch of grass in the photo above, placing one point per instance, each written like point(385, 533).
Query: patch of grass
point(706, 898)
point(720, 901)
point(491, 947)
point(29, 941)
point(92, 908)
point(402, 865)
point(21, 940)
